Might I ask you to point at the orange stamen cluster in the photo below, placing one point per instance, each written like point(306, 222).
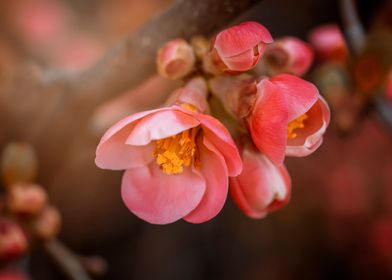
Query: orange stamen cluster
point(298, 123)
point(173, 152)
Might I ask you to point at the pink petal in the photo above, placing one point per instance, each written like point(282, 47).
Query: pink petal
point(220, 137)
point(214, 171)
point(160, 125)
point(269, 120)
point(113, 152)
point(310, 137)
point(159, 198)
point(300, 94)
point(261, 187)
point(240, 38)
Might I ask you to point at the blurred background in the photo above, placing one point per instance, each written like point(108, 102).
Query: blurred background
point(338, 224)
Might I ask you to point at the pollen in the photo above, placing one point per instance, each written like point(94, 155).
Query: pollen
point(175, 152)
point(298, 123)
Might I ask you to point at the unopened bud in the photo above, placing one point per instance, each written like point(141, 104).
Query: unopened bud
point(13, 242)
point(18, 163)
point(175, 59)
point(28, 199)
point(47, 224)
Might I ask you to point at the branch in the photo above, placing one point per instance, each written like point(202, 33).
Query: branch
point(352, 25)
point(133, 60)
point(67, 261)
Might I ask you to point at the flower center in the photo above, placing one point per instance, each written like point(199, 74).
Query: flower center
point(173, 152)
point(296, 124)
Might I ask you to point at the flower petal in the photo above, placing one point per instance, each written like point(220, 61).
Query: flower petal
point(269, 120)
point(214, 171)
point(160, 125)
point(220, 137)
point(300, 94)
point(240, 38)
point(159, 198)
point(261, 187)
point(310, 137)
point(113, 152)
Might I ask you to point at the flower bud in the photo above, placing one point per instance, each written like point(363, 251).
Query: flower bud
point(12, 274)
point(175, 59)
point(262, 187)
point(47, 225)
point(18, 163)
point(13, 242)
point(27, 199)
point(237, 49)
point(329, 43)
point(288, 55)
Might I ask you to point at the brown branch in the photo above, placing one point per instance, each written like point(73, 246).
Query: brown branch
point(352, 26)
point(133, 60)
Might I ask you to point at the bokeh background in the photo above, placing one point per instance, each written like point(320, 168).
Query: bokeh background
point(338, 224)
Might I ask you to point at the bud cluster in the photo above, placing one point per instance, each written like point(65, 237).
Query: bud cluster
point(26, 216)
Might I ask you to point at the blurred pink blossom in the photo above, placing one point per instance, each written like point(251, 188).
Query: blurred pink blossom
point(329, 43)
point(13, 242)
point(289, 55)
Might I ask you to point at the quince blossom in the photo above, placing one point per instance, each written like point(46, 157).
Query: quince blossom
point(177, 159)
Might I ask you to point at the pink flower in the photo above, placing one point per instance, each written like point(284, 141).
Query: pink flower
point(288, 55)
point(284, 114)
point(175, 59)
point(238, 48)
point(289, 117)
point(329, 43)
point(262, 187)
point(177, 160)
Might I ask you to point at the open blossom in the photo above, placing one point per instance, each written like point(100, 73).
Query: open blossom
point(284, 114)
point(175, 59)
point(238, 48)
point(177, 159)
point(288, 55)
point(261, 187)
point(329, 43)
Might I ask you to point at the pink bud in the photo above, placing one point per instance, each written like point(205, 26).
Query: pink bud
point(329, 43)
point(13, 242)
point(238, 48)
point(28, 199)
point(193, 95)
point(47, 224)
point(288, 55)
point(262, 187)
point(175, 59)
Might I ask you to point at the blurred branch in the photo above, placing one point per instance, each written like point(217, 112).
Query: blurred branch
point(67, 261)
point(384, 108)
point(133, 59)
point(352, 25)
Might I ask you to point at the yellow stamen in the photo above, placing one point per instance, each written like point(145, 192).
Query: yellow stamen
point(173, 152)
point(296, 124)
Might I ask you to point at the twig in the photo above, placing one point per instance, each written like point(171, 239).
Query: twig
point(67, 261)
point(352, 26)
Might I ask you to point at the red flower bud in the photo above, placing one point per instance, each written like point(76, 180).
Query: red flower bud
point(13, 242)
